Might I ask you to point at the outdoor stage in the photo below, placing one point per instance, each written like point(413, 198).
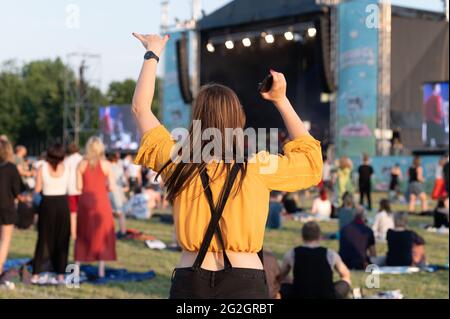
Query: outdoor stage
point(346, 80)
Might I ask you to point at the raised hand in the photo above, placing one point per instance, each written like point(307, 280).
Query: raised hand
point(278, 90)
point(152, 42)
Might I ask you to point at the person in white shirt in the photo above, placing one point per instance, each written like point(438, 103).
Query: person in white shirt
point(133, 173)
point(138, 207)
point(54, 217)
point(384, 220)
point(71, 163)
point(321, 208)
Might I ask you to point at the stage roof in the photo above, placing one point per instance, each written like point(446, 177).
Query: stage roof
point(240, 12)
point(250, 11)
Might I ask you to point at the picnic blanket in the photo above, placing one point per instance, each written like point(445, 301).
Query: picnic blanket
point(134, 234)
point(114, 275)
point(88, 273)
point(401, 270)
point(17, 263)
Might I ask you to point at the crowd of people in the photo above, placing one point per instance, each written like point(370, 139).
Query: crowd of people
point(69, 195)
point(76, 196)
point(312, 265)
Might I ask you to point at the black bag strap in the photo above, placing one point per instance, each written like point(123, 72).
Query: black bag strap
point(216, 214)
point(213, 209)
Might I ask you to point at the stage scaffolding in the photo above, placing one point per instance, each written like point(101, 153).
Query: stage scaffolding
point(79, 113)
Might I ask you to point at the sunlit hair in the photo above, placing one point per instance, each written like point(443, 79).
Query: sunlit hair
point(344, 162)
point(95, 150)
point(216, 106)
point(6, 151)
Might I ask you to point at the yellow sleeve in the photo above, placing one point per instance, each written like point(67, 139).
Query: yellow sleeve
point(156, 147)
point(299, 168)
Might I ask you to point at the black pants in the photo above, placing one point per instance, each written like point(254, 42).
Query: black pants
point(440, 219)
point(231, 283)
point(341, 288)
point(53, 235)
point(365, 192)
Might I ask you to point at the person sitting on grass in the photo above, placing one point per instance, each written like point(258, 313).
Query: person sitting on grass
point(313, 267)
point(357, 242)
point(276, 209)
point(137, 207)
point(321, 207)
point(405, 247)
point(384, 221)
point(440, 215)
point(346, 213)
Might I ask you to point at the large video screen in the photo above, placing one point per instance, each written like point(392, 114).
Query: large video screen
point(435, 124)
point(117, 128)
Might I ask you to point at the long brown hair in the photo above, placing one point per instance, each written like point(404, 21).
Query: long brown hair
point(55, 155)
point(218, 107)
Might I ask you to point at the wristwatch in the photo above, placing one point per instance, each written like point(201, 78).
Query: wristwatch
point(151, 55)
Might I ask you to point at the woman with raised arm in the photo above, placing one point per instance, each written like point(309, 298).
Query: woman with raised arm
point(220, 238)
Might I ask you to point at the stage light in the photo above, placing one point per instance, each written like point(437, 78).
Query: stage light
point(312, 32)
point(210, 47)
point(270, 38)
point(229, 45)
point(246, 42)
point(289, 36)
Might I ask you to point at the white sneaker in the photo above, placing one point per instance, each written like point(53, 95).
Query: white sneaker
point(8, 285)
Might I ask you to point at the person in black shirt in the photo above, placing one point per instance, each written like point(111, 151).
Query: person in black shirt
point(9, 190)
point(312, 267)
point(365, 172)
point(357, 243)
point(415, 186)
point(405, 247)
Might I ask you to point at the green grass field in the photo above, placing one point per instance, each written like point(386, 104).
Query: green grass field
point(135, 256)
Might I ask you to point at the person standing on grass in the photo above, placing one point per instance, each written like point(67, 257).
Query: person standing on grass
point(313, 267)
point(343, 183)
point(96, 238)
point(365, 172)
point(71, 163)
point(9, 191)
point(54, 216)
point(22, 166)
point(394, 184)
point(117, 196)
point(415, 186)
point(227, 266)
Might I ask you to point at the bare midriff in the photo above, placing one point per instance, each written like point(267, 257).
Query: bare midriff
point(214, 260)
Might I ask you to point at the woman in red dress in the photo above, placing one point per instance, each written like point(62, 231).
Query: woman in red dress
point(96, 240)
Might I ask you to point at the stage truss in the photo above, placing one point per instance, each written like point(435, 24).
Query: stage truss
point(79, 113)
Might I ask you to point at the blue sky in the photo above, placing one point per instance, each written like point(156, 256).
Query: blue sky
point(31, 29)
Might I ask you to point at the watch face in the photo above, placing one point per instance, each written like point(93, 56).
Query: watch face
point(149, 55)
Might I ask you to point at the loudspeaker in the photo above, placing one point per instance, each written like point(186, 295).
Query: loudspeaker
point(183, 69)
point(325, 43)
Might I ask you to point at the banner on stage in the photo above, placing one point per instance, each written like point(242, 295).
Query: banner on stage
point(358, 77)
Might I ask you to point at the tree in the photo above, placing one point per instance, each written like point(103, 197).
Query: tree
point(121, 93)
point(11, 99)
point(32, 101)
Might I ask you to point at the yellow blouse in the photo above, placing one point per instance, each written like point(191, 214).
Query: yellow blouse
point(244, 217)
